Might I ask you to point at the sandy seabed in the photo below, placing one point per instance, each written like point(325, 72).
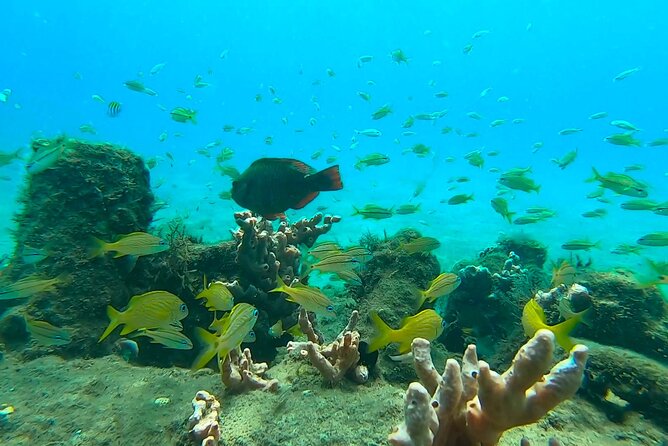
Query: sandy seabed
point(106, 401)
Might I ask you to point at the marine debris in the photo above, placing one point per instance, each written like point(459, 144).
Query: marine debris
point(337, 359)
point(204, 423)
point(239, 373)
point(472, 405)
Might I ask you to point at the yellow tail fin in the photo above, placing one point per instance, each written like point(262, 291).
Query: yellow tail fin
point(421, 296)
point(563, 329)
point(96, 247)
point(115, 320)
point(384, 333)
point(209, 344)
point(280, 285)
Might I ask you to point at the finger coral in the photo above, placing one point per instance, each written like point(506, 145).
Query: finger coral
point(239, 373)
point(334, 360)
point(204, 423)
point(472, 405)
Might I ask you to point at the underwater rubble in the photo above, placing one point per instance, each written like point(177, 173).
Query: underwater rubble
point(99, 190)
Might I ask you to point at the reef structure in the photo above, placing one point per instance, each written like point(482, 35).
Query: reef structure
point(240, 374)
point(264, 253)
point(204, 423)
point(470, 405)
point(337, 359)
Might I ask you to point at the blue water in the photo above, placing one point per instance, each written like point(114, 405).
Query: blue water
point(554, 60)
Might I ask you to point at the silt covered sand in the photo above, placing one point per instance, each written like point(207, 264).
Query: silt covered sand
point(106, 401)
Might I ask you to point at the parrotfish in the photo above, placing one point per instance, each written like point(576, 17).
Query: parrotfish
point(270, 186)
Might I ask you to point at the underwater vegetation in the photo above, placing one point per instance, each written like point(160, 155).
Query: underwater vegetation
point(275, 306)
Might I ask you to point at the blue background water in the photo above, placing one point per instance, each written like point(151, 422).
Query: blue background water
point(555, 60)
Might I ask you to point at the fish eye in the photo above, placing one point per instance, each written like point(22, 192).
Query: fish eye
point(255, 313)
point(183, 308)
point(162, 242)
point(330, 308)
point(443, 324)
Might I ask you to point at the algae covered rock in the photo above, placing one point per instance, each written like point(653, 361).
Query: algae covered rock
point(390, 278)
point(92, 190)
point(625, 315)
point(621, 380)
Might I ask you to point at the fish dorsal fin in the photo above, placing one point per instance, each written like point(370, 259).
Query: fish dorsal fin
point(289, 162)
point(149, 295)
point(299, 166)
point(306, 200)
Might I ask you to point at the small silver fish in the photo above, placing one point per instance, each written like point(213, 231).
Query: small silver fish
point(44, 158)
point(373, 133)
point(46, 334)
point(31, 255)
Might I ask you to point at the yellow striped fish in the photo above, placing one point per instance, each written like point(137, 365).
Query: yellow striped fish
point(311, 298)
point(46, 334)
point(533, 319)
point(443, 284)
point(134, 244)
point(168, 337)
point(324, 250)
point(155, 309)
point(564, 273)
point(29, 286)
point(234, 329)
point(358, 253)
point(348, 275)
point(420, 244)
point(217, 296)
point(426, 324)
point(334, 263)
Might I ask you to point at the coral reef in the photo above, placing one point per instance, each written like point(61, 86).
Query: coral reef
point(472, 405)
point(334, 360)
point(550, 301)
point(239, 373)
point(531, 251)
point(204, 423)
point(512, 271)
point(263, 253)
point(477, 283)
point(484, 309)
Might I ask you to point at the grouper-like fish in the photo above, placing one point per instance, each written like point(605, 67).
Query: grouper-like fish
point(270, 186)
